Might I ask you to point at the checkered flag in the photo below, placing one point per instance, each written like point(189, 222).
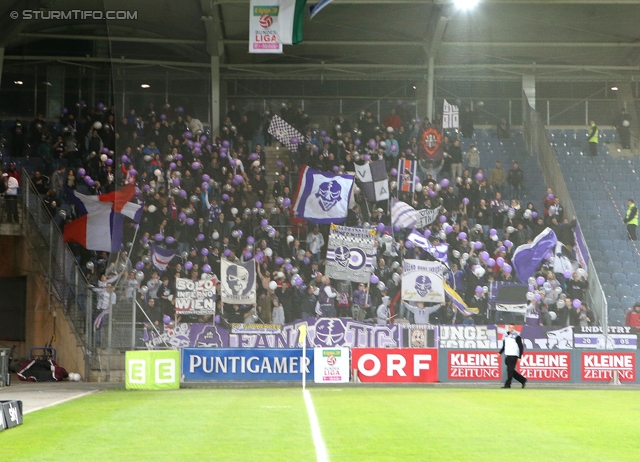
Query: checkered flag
point(284, 132)
point(374, 180)
point(450, 116)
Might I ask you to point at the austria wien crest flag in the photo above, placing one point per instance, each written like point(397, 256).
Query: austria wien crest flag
point(323, 198)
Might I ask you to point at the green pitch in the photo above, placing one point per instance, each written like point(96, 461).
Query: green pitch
point(363, 424)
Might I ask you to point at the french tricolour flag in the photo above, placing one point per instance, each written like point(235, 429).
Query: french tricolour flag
point(101, 218)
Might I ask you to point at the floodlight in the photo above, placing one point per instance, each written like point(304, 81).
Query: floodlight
point(465, 4)
point(614, 88)
point(18, 82)
point(145, 85)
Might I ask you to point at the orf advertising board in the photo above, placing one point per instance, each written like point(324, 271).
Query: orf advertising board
point(395, 364)
point(473, 365)
point(599, 367)
point(244, 365)
point(546, 366)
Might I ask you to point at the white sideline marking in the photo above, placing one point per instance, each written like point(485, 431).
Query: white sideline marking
point(318, 442)
point(55, 403)
point(275, 407)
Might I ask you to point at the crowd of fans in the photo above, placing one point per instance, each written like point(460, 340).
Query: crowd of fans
point(209, 199)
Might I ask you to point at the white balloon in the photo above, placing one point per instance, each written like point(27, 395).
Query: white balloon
point(396, 277)
point(510, 229)
point(494, 238)
point(268, 252)
point(234, 211)
point(390, 129)
point(527, 214)
point(456, 254)
point(479, 272)
point(90, 265)
point(147, 158)
point(157, 172)
point(273, 285)
point(290, 238)
point(103, 157)
point(418, 187)
point(215, 235)
point(152, 208)
point(97, 125)
point(561, 303)
point(530, 296)
point(553, 315)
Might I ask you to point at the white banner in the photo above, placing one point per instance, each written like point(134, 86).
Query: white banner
point(263, 27)
point(351, 254)
point(195, 297)
point(331, 365)
point(520, 308)
point(422, 281)
point(238, 283)
point(426, 216)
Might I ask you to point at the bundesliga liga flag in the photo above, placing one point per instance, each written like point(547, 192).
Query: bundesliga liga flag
point(322, 198)
point(422, 281)
point(238, 282)
point(350, 254)
point(450, 115)
point(374, 181)
point(284, 132)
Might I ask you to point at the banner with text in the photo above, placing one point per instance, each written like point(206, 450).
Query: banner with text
point(422, 281)
point(331, 365)
point(350, 254)
point(263, 27)
point(396, 364)
point(195, 297)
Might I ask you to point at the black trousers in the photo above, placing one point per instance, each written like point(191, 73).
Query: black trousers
point(593, 149)
point(631, 229)
point(512, 373)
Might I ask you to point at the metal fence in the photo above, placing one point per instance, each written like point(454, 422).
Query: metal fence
point(538, 144)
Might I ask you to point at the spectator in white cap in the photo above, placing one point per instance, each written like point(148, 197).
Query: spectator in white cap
point(383, 314)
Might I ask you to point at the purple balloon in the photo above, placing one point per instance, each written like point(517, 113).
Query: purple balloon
point(190, 221)
point(247, 255)
point(179, 109)
point(462, 236)
point(178, 156)
point(109, 161)
point(158, 237)
point(306, 260)
point(531, 288)
point(502, 248)
point(534, 214)
point(394, 172)
point(507, 268)
point(225, 197)
point(372, 143)
point(133, 172)
point(206, 178)
point(477, 245)
point(104, 150)
point(442, 219)
point(491, 262)
point(366, 157)
point(357, 142)
point(81, 172)
point(259, 204)
point(380, 227)
point(288, 267)
point(182, 216)
point(465, 200)
point(485, 255)
point(538, 297)
point(539, 280)
point(166, 319)
point(196, 165)
point(448, 229)
point(176, 182)
point(170, 240)
point(298, 281)
point(146, 187)
point(163, 117)
point(183, 193)
point(188, 135)
point(188, 265)
point(225, 144)
point(550, 196)
point(374, 279)
point(576, 303)
point(279, 164)
point(200, 237)
point(479, 289)
point(500, 262)
point(335, 169)
point(238, 178)
point(323, 133)
point(444, 182)
point(492, 232)
point(251, 240)
point(432, 193)
point(286, 202)
point(479, 177)
point(65, 110)
point(139, 266)
point(144, 240)
point(279, 261)
point(567, 273)
point(264, 222)
point(206, 268)
point(508, 243)
point(227, 252)
point(204, 251)
point(393, 148)
point(408, 244)
point(327, 139)
point(204, 185)
point(427, 233)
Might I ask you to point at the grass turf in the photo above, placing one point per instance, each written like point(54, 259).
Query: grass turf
point(368, 424)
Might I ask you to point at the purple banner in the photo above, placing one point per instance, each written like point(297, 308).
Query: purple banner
point(582, 254)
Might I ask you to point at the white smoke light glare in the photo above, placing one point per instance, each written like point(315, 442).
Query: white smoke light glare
point(465, 4)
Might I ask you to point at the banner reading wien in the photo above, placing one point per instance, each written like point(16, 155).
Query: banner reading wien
point(195, 297)
point(350, 254)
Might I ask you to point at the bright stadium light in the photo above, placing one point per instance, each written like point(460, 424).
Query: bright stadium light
point(465, 4)
point(145, 85)
point(614, 88)
point(18, 82)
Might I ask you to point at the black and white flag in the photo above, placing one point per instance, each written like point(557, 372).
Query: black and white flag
point(374, 180)
point(238, 282)
point(285, 133)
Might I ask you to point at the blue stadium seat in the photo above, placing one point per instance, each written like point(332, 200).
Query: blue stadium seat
point(619, 278)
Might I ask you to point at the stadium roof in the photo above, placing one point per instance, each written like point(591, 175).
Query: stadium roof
point(358, 39)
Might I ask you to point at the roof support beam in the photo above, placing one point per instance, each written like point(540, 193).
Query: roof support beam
point(355, 43)
point(111, 38)
point(542, 44)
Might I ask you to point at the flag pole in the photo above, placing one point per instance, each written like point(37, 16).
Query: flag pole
point(303, 339)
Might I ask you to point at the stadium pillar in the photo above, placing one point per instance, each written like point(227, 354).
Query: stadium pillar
point(430, 88)
point(529, 89)
point(215, 95)
point(1, 62)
